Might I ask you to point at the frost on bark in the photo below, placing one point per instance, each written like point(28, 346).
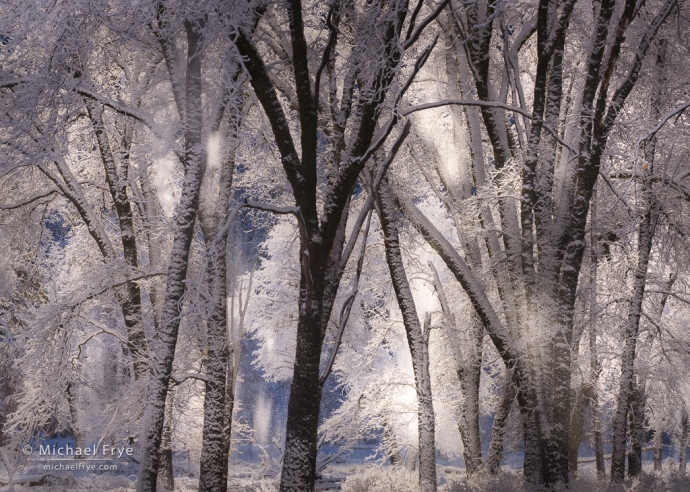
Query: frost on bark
point(684, 441)
point(323, 249)
point(117, 184)
point(183, 231)
point(468, 366)
point(68, 185)
point(166, 474)
point(507, 346)
point(631, 400)
point(498, 429)
point(213, 474)
point(544, 246)
point(417, 340)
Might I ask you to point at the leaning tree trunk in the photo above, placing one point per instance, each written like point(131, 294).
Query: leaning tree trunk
point(388, 212)
point(183, 233)
point(130, 298)
point(468, 366)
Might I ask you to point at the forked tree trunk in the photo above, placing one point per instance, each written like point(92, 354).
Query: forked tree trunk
point(130, 297)
point(213, 473)
point(183, 233)
point(387, 212)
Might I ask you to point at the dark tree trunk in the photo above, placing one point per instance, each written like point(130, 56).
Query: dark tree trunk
point(166, 473)
point(577, 422)
point(658, 448)
point(213, 473)
point(117, 183)
point(470, 377)
point(636, 423)
point(322, 236)
point(299, 456)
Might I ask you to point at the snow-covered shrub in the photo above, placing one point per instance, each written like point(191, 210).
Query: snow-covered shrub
point(381, 479)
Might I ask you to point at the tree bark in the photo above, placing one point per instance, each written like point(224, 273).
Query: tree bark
point(577, 421)
point(213, 473)
point(468, 366)
point(387, 212)
point(166, 473)
point(498, 428)
point(636, 424)
point(117, 183)
point(183, 233)
point(684, 441)
point(658, 448)
point(627, 381)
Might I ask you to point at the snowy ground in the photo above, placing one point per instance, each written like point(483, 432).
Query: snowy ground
point(368, 478)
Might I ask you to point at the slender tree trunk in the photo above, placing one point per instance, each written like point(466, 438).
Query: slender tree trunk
point(658, 448)
point(577, 421)
point(627, 381)
point(594, 366)
point(117, 183)
point(213, 474)
point(183, 233)
point(684, 441)
point(416, 339)
point(498, 429)
point(635, 423)
point(470, 377)
point(468, 365)
point(628, 385)
point(166, 473)
point(131, 311)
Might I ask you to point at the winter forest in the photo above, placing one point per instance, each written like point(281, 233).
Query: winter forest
point(357, 245)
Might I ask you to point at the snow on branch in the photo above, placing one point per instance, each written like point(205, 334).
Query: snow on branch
point(678, 111)
point(487, 104)
point(28, 200)
point(411, 39)
point(120, 108)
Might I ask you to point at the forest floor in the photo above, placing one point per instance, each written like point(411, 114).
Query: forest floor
point(371, 478)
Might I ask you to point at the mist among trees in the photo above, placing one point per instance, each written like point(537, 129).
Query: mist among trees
point(344, 245)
